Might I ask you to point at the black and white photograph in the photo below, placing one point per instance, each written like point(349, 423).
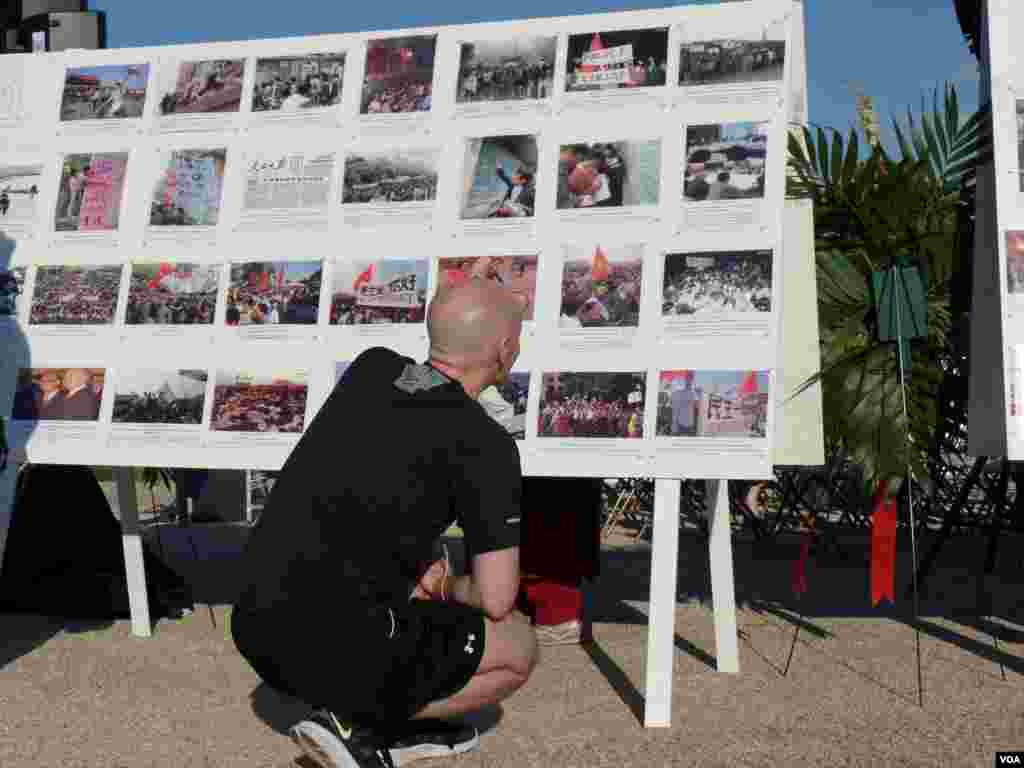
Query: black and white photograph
point(58, 394)
point(249, 401)
point(500, 180)
point(169, 293)
point(75, 295)
point(297, 83)
point(105, 92)
point(519, 69)
point(288, 181)
point(608, 174)
point(150, 396)
point(202, 87)
point(725, 161)
point(399, 75)
point(713, 404)
point(391, 176)
point(379, 291)
point(90, 192)
point(717, 282)
point(12, 288)
point(601, 287)
point(274, 293)
point(757, 56)
point(600, 61)
point(580, 405)
point(506, 403)
point(19, 195)
point(189, 188)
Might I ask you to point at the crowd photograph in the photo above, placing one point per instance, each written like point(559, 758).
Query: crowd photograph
point(19, 190)
point(577, 405)
point(517, 273)
point(244, 401)
point(506, 70)
point(399, 75)
point(386, 177)
point(295, 83)
point(713, 404)
point(199, 87)
point(725, 161)
point(172, 294)
point(621, 59)
point(608, 174)
point(189, 188)
point(12, 287)
point(500, 177)
point(721, 281)
point(75, 295)
point(90, 191)
point(146, 396)
point(755, 57)
point(104, 92)
point(1015, 261)
point(379, 291)
point(601, 287)
point(58, 394)
point(272, 293)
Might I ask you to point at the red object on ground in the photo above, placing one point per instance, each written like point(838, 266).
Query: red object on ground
point(553, 603)
point(800, 565)
point(883, 551)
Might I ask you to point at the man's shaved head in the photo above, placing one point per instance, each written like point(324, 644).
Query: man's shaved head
point(469, 324)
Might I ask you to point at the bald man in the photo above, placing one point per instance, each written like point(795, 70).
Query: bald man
point(342, 607)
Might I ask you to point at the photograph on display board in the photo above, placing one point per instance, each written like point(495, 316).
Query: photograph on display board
point(339, 370)
point(104, 92)
point(725, 161)
point(151, 396)
point(19, 191)
point(506, 70)
point(500, 177)
point(608, 174)
point(1015, 262)
point(189, 188)
point(517, 273)
point(58, 394)
point(718, 281)
point(601, 286)
point(90, 192)
point(399, 75)
point(296, 83)
point(202, 87)
point(379, 291)
point(713, 404)
point(603, 61)
point(12, 287)
point(1020, 142)
point(288, 181)
point(753, 55)
point(391, 176)
point(574, 405)
point(247, 401)
point(169, 293)
point(75, 295)
point(506, 403)
point(274, 293)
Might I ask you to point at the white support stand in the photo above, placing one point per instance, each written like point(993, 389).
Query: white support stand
point(723, 585)
point(135, 567)
point(661, 627)
point(8, 483)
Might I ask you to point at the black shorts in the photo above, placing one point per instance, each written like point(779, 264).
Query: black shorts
point(375, 665)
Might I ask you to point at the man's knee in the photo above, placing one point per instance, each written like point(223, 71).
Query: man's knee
point(524, 640)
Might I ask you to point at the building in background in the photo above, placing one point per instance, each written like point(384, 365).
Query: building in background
point(50, 25)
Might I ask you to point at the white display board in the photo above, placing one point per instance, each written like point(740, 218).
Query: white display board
point(204, 235)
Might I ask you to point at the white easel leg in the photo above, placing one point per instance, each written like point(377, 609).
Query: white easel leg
point(8, 483)
point(661, 627)
point(135, 567)
point(723, 588)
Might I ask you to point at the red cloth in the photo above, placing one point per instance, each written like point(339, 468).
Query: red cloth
point(883, 552)
point(553, 603)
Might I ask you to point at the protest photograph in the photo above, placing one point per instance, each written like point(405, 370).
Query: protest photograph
point(19, 191)
point(159, 397)
point(574, 405)
point(379, 291)
point(1015, 261)
point(755, 55)
point(246, 401)
point(12, 287)
point(602, 61)
point(293, 181)
point(272, 293)
point(90, 191)
point(200, 87)
point(720, 281)
point(506, 70)
point(399, 75)
point(725, 161)
point(500, 177)
point(517, 273)
point(608, 174)
point(601, 287)
point(506, 403)
point(295, 83)
point(385, 177)
point(172, 294)
point(58, 394)
point(713, 404)
point(75, 295)
point(189, 188)
point(104, 92)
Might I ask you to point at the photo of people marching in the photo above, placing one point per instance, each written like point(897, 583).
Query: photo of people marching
point(64, 394)
point(608, 175)
point(500, 177)
point(144, 396)
point(734, 281)
point(12, 287)
point(592, 405)
point(713, 404)
point(725, 161)
point(74, 295)
point(19, 190)
point(506, 403)
point(506, 70)
point(601, 287)
point(198, 87)
point(517, 273)
point(610, 60)
point(104, 92)
point(189, 188)
point(757, 56)
point(391, 176)
point(379, 292)
point(245, 401)
point(172, 294)
point(294, 83)
point(399, 75)
point(272, 293)
point(90, 191)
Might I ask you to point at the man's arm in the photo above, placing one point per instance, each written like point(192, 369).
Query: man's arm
point(493, 585)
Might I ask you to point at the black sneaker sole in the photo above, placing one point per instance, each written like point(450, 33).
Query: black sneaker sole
point(407, 755)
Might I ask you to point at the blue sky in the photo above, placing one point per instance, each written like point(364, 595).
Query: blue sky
point(895, 50)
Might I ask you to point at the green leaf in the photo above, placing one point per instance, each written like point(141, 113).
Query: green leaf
point(823, 157)
point(837, 161)
point(852, 159)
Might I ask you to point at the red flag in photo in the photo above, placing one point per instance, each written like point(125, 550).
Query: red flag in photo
point(883, 549)
point(800, 565)
point(749, 386)
point(165, 269)
point(596, 43)
point(365, 276)
point(264, 281)
point(599, 270)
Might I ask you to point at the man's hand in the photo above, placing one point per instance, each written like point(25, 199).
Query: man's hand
point(434, 583)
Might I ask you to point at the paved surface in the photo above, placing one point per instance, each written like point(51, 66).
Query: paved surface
point(97, 697)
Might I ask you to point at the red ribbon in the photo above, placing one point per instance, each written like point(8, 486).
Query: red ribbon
point(800, 565)
point(883, 549)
